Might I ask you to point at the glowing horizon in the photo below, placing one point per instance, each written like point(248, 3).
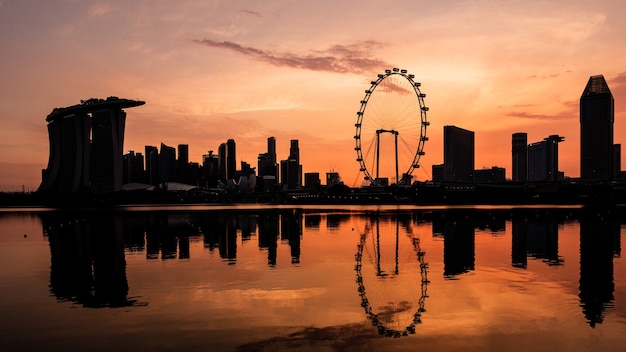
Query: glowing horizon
point(248, 71)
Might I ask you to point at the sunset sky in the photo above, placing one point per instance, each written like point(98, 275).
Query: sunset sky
point(213, 70)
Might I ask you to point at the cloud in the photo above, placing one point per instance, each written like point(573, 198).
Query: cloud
point(560, 116)
point(353, 58)
point(251, 13)
point(99, 9)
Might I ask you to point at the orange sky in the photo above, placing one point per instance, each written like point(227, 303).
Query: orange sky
point(247, 70)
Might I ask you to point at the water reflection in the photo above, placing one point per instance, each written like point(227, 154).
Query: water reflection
point(88, 264)
point(457, 231)
point(599, 243)
point(392, 300)
point(87, 260)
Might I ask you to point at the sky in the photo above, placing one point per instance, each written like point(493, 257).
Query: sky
point(213, 70)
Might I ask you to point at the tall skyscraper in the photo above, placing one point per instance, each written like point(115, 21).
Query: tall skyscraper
point(596, 131)
point(290, 169)
point(520, 157)
point(167, 164)
point(543, 160)
point(458, 154)
point(231, 159)
point(271, 151)
point(152, 165)
point(221, 155)
point(267, 161)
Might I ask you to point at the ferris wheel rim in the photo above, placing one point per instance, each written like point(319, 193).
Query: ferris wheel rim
point(423, 123)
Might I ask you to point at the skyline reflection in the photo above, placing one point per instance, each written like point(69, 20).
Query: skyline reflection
point(88, 249)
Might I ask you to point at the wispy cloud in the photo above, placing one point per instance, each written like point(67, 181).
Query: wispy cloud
point(352, 58)
point(251, 13)
point(99, 9)
point(559, 116)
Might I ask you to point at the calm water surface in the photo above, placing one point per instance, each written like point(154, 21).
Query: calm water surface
point(255, 278)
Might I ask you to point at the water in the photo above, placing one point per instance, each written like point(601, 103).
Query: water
point(253, 278)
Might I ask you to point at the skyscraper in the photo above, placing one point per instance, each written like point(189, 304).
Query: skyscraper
point(596, 130)
point(543, 159)
point(271, 151)
point(458, 154)
point(167, 164)
point(290, 169)
point(152, 165)
point(231, 159)
point(520, 157)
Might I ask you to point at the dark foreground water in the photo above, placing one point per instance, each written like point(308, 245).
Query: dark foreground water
point(312, 279)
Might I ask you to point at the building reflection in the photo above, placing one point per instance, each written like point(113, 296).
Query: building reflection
point(88, 265)
point(599, 244)
point(535, 236)
point(458, 235)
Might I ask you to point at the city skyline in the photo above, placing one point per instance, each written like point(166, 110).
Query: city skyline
point(241, 70)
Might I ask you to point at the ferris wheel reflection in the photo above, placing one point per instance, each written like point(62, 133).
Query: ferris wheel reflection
point(390, 262)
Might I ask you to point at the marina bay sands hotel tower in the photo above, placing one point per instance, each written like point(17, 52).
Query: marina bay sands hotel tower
point(86, 146)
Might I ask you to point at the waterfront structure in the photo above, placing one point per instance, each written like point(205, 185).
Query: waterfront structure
point(596, 131)
point(312, 180)
point(493, 175)
point(519, 162)
point(86, 146)
point(437, 172)
point(543, 160)
point(458, 154)
point(333, 178)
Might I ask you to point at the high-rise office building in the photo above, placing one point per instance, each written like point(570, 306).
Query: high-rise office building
point(267, 161)
point(152, 165)
point(520, 157)
point(290, 169)
point(543, 160)
point(183, 170)
point(596, 131)
point(167, 164)
point(271, 151)
point(231, 159)
point(210, 169)
point(222, 165)
point(458, 154)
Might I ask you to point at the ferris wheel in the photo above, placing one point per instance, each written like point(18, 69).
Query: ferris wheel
point(391, 128)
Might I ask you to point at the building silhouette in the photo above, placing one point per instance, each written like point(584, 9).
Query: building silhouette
point(86, 146)
point(152, 165)
point(210, 169)
point(290, 169)
point(494, 174)
point(458, 154)
point(543, 159)
point(231, 159)
point(520, 157)
point(596, 131)
point(133, 168)
point(167, 164)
